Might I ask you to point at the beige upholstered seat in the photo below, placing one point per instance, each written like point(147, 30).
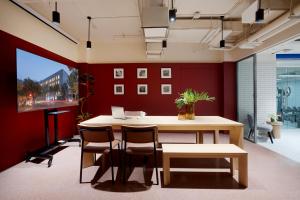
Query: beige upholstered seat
point(98, 139)
point(139, 140)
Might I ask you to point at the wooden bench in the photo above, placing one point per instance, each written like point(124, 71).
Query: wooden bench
point(206, 151)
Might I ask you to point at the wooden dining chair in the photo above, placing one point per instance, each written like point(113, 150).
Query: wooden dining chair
point(97, 139)
point(134, 135)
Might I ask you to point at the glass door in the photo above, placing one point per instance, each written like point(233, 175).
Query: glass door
point(246, 96)
point(288, 95)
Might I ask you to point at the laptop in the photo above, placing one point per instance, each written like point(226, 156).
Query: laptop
point(118, 112)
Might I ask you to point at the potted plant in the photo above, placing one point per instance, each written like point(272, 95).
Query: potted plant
point(87, 81)
point(276, 125)
point(274, 117)
point(186, 102)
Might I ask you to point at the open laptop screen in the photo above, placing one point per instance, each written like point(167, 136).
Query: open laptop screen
point(118, 112)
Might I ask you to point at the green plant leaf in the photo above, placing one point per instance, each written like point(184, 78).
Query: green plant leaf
point(190, 96)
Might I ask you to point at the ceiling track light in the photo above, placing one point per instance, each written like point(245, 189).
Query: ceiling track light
point(55, 15)
point(89, 43)
point(259, 15)
point(172, 13)
point(164, 44)
point(222, 41)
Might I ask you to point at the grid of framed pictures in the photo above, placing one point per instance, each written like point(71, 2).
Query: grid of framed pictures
point(142, 73)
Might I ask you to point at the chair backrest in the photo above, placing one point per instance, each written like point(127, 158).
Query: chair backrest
point(250, 121)
point(139, 134)
point(96, 134)
point(133, 113)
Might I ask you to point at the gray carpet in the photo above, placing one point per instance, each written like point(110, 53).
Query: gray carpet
point(271, 176)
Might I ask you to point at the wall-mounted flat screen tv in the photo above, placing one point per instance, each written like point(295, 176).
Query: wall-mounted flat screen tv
point(44, 84)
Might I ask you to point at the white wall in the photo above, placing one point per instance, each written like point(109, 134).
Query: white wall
point(266, 86)
point(19, 23)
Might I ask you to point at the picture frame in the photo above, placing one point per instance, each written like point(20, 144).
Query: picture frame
point(142, 73)
point(166, 72)
point(118, 89)
point(118, 73)
point(166, 89)
point(142, 89)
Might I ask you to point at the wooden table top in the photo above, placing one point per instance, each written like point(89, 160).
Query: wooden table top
point(161, 121)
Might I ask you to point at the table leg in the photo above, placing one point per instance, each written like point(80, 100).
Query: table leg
point(199, 137)
point(216, 137)
point(243, 170)
point(166, 169)
point(236, 136)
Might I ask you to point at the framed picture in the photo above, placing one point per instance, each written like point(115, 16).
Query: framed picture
point(165, 73)
point(166, 89)
point(118, 73)
point(118, 89)
point(142, 73)
point(142, 89)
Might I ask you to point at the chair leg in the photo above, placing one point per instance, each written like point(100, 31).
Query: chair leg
point(250, 133)
point(112, 166)
point(119, 155)
point(270, 136)
point(80, 173)
point(124, 166)
point(130, 162)
point(155, 165)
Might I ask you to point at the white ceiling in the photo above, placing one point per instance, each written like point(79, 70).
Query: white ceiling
point(205, 8)
point(291, 46)
point(120, 20)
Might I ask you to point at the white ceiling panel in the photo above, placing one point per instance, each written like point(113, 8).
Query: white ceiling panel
point(211, 7)
point(187, 35)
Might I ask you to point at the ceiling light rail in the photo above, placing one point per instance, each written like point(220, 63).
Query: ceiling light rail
point(44, 20)
point(115, 17)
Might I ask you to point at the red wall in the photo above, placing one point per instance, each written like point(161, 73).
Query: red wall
point(22, 132)
point(218, 79)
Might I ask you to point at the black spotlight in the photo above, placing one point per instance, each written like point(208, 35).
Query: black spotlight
point(88, 44)
point(222, 43)
point(55, 15)
point(164, 43)
point(259, 15)
point(172, 15)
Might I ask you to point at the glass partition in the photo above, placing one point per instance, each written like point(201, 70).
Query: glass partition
point(288, 94)
point(245, 93)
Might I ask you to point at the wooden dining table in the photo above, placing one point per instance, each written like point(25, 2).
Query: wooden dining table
point(173, 124)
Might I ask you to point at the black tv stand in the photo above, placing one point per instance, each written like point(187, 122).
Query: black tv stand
point(44, 153)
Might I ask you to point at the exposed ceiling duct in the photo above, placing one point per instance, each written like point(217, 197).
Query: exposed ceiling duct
point(267, 7)
point(271, 29)
point(155, 23)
